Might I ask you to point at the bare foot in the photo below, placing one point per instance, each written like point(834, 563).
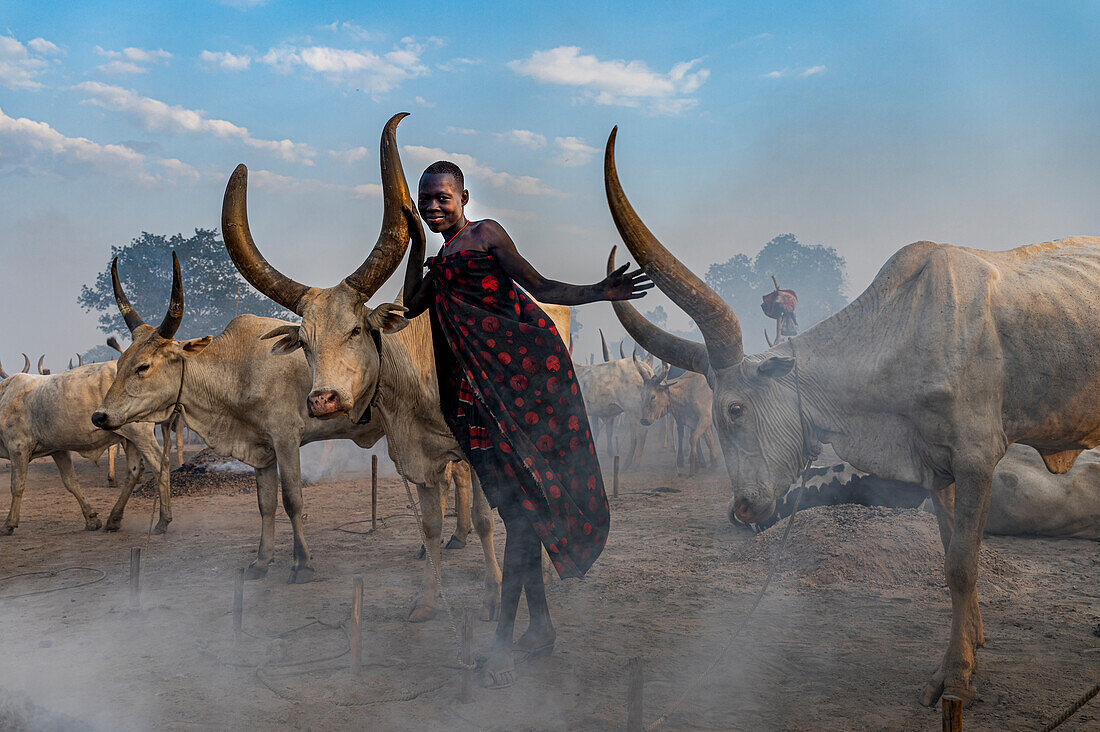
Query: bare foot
point(500, 669)
point(537, 642)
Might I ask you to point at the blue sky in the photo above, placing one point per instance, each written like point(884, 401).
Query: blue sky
point(862, 126)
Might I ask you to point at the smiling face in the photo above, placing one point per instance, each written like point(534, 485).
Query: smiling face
point(440, 200)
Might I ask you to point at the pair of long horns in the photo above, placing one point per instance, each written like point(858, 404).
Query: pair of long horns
point(79, 362)
point(379, 264)
point(716, 320)
point(172, 319)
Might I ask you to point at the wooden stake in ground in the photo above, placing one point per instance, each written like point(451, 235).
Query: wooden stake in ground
point(356, 625)
point(634, 697)
point(373, 492)
point(467, 694)
point(952, 713)
point(135, 578)
point(238, 602)
point(615, 484)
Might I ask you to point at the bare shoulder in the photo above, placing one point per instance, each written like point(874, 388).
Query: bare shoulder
point(492, 233)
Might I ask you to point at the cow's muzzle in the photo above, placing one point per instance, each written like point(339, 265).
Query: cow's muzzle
point(646, 421)
point(325, 404)
point(746, 512)
point(100, 419)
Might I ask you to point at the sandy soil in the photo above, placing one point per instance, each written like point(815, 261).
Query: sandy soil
point(844, 639)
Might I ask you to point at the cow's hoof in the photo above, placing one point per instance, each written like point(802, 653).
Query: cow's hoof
point(421, 613)
point(92, 523)
point(422, 553)
point(7, 530)
point(161, 527)
point(490, 610)
point(255, 572)
point(301, 576)
point(455, 543)
point(113, 524)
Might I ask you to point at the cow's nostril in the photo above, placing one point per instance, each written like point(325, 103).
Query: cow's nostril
point(99, 419)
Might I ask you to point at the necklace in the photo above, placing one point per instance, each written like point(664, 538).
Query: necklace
point(456, 234)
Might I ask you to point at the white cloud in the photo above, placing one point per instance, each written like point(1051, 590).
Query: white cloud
point(243, 4)
point(354, 30)
point(131, 60)
point(616, 82)
point(773, 75)
point(473, 170)
point(367, 70)
point(156, 115)
point(32, 147)
point(459, 131)
point(224, 60)
point(41, 45)
point(458, 64)
point(367, 190)
point(353, 155)
point(785, 73)
point(523, 138)
point(812, 70)
point(424, 102)
point(20, 66)
point(573, 151)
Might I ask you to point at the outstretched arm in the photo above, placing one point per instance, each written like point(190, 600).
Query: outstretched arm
point(619, 285)
point(418, 289)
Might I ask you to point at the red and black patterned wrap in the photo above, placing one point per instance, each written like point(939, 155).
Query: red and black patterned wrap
point(510, 396)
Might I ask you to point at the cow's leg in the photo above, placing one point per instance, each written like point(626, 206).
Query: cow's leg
point(679, 444)
point(637, 443)
point(943, 501)
point(611, 437)
point(483, 524)
point(111, 464)
point(20, 460)
point(134, 468)
point(431, 517)
point(179, 442)
point(143, 446)
point(267, 496)
point(961, 569)
point(708, 435)
point(64, 463)
point(288, 456)
point(460, 477)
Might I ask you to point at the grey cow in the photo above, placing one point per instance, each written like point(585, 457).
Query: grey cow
point(948, 357)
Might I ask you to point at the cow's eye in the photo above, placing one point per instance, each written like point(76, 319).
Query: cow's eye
point(142, 369)
point(736, 409)
point(355, 331)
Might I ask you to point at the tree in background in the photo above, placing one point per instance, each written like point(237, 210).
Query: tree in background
point(815, 272)
point(101, 353)
point(213, 291)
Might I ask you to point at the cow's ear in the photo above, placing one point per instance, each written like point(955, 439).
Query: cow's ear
point(289, 339)
point(389, 317)
point(196, 345)
point(775, 367)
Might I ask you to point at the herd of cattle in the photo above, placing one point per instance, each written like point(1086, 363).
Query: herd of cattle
point(922, 385)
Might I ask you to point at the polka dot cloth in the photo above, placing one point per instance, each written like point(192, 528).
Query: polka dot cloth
point(510, 396)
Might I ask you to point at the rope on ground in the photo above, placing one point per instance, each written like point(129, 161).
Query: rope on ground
point(101, 575)
point(1085, 699)
point(381, 519)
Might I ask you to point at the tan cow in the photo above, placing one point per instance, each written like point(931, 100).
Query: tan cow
point(689, 400)
point(611, 390)
point(364, 357)
point(51, 415)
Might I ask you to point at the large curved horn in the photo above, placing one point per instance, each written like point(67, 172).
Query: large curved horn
point(172, 319)
point(716, 320)
point(673, 349)
point(42, 371)
point(394, 237)
point(243, 251)
point(26, 364)
point(3, 373)
point(603, 345)
point(79, 360)
point(133, 320)
point(621, 354)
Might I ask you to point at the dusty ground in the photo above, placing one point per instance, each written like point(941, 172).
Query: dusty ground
point(843, 639)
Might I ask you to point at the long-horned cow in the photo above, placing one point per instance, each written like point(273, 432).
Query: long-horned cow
point(360, 360)
point(51, 415)
point(689, 401)
point(242, 401)
point(927, 377)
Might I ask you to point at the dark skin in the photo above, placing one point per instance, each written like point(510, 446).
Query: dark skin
point(441, 203)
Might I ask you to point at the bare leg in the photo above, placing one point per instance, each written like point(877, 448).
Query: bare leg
point(267, 496)
point(483, 524)
point(974, 487)
point(64, 463)
point(539, 636)
point(431, 516)
point(288, 457)
point(19, 462)
point(500, 668)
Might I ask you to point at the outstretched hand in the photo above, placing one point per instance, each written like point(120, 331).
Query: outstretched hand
point(623, 285)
